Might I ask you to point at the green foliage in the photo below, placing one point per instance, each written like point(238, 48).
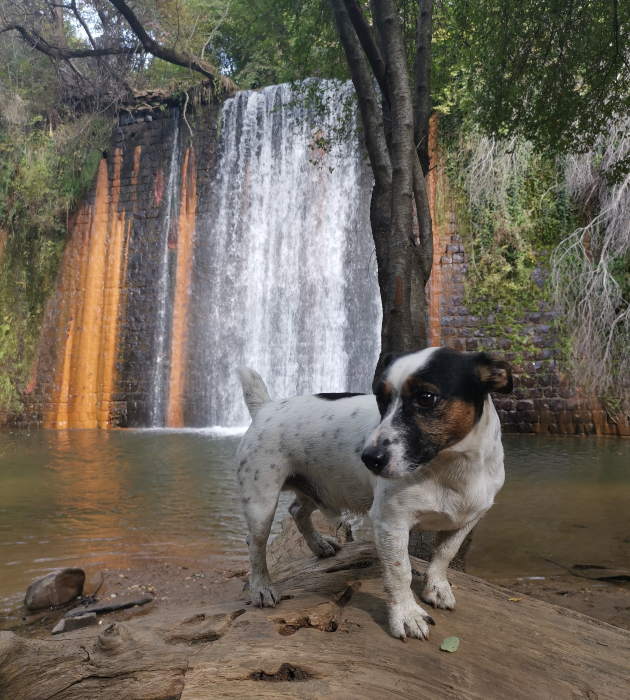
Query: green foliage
point(42, 176)
point(514, 209)
point(265, 42)
point(551, 71)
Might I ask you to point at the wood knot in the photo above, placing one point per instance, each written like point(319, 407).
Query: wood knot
point(115, 638)
point(286, 672)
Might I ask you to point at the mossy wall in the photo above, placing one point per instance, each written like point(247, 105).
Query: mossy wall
point(488, 291)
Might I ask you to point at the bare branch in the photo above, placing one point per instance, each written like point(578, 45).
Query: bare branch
point(422, 82)
point(82, 22)
point(366, 96)
point(60, 53)
point(364, 33)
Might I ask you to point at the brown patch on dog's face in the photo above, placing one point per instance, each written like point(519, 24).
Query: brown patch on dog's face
point(438, 421)
point(448, 423)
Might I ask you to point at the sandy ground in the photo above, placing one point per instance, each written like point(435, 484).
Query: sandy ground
point(185, 584)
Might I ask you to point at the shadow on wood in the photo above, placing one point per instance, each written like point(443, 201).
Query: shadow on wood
point(329, 639)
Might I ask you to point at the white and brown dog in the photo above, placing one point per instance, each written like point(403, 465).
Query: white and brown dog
point(431, 441)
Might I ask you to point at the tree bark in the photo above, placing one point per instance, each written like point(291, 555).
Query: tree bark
point(422, 81)
point(328, 638)
point(404, 261)
point(403, 330)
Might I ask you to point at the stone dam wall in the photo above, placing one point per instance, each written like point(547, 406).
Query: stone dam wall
point(118, 332)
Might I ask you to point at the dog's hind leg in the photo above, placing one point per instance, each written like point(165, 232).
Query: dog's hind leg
point(259, 512)
point(301, 510)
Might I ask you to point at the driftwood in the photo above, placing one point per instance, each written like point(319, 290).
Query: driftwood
point(329, 639)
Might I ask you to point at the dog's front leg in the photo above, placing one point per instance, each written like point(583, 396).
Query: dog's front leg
point(406, 617)
point(437, 590)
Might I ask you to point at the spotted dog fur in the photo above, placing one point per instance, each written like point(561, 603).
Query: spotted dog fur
point(431, 441)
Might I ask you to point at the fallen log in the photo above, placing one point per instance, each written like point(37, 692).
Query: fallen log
point(329, 639)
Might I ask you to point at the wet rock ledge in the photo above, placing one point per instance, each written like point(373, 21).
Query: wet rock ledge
point(328, 639)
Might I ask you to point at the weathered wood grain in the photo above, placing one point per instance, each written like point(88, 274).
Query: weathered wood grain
point(329, 640)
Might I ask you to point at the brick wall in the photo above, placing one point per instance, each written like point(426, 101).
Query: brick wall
point(545, 399)
point(138, 166)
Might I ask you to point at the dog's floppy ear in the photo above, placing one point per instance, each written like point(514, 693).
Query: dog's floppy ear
point(495, 373)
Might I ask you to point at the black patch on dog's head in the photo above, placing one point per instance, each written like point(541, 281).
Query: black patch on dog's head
point(336, 397)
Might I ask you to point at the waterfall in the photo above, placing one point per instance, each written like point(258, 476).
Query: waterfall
point(284, 276)
point(160, 378)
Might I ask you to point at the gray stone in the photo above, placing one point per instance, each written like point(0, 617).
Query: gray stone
point(68, 624)
point(56, 588)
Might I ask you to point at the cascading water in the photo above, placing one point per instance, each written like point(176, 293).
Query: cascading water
point(160, 376)
point(285, 277)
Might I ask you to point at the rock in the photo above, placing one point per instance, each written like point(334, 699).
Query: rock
point(68, 624)
point(291, 545)
point(56, 588)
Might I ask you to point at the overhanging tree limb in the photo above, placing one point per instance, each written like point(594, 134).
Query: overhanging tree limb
point(147, 45)
point(169, 55)
point(61, 53)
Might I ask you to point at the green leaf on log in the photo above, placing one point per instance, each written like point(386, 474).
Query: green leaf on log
point(450, 644)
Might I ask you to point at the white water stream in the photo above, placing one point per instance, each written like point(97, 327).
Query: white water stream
point(284, 277)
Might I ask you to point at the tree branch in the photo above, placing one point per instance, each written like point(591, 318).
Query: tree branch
point(147, 45)
point(422, 81)
point(366, 96)
point(364, 33)
point(61, 53)
point(82, 22)
point(169, 55)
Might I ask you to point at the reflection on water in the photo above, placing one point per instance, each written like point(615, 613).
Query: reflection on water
point(111, 498)
point(566, 499)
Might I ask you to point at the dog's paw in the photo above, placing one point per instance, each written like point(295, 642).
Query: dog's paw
point(438, 593)
point(323, 546)
point(409, 620)
point(264, 596)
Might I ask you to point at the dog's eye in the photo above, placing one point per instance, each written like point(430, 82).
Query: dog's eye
point(426, 400)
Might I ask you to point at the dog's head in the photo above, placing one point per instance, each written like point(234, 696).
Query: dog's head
point(429, 400)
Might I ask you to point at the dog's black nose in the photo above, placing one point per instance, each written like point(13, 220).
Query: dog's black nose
point(375, 458)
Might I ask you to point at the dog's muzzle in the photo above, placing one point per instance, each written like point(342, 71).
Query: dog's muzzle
point(375, 459)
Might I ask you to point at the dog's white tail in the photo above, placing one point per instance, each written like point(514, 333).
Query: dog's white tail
point(254, 390)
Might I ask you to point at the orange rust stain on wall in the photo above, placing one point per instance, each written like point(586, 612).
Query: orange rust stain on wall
point(181, 301)
point(435, 280)
point(91, 283)
point(109, 325)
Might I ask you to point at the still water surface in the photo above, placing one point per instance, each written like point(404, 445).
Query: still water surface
point(117, 498)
